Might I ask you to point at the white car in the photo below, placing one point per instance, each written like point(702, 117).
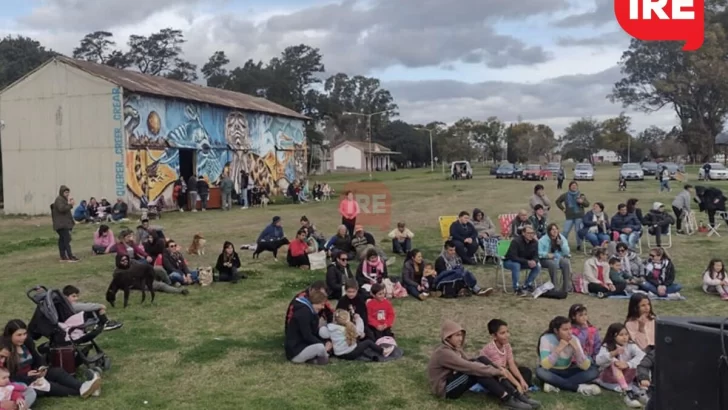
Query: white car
point(584, 172)
point(717, 171)
point(632, 172)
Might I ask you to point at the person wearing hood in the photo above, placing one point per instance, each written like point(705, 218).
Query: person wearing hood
point(271, 238)
point(226, 189)
point(660, 275)
point(63, 222)
point(450, 269)
point(539, 198)
point(122, 263)
point(487, 232)
point(401, 238)
point(595, 227)
point(465, 238)
point(302, 341)
point(325, 315)
point(337, 275)
point(658, 221)
point(626, 227)
point(710, 200)
point(228, 264)
point(451, 373)
point(573, 203)
point(80, 214)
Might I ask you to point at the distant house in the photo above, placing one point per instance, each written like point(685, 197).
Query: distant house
point(360, 155)
point(604, 155)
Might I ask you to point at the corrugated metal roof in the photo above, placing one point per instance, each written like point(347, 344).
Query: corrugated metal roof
point(164, 87)
point(364, 147)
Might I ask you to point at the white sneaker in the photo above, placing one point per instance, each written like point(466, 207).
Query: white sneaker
point(391, 261)
point(589, 389)
point(632, 403)
point(674, 296)
point(90, 387)
point(547, 388)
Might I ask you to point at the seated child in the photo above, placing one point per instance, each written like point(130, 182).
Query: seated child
point(355, 303)
point(401, 239)
point(622, 183)
point(644, 376)
point(587, 333)
point(660, 275)
point(228, 264)
point(428, 279)
point(620, 277)
point(380, 312)
point(344, 336)
point(618, 360)
point(98, 310)
point(451, 373)
point(13, 392)
point(500, 353)
point(714, 279)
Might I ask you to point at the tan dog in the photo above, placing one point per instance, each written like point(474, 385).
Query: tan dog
point(198, 245)
point(205, 275)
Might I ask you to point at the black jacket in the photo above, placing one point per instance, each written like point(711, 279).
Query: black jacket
point(302, 330)
point(666, 276)
point(412, 275)
point(657, 218)
point(356, 305)
point(342, 244)
point(173, 263)
point(709, 199)
point(38, 361)
point(227, 270)
point(336, 277)
point(62, 211)
point(327, 313)
point(520, 251)
point(203, 188)
point(155, 248)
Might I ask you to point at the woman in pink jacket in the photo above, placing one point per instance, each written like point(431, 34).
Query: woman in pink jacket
point(103, 240)
point(349, 210)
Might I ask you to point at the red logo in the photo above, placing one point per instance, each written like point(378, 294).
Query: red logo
point(375, 204)
point(664, 20)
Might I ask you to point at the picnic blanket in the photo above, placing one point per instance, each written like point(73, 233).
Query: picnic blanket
point(396, 354)
point(652, 296)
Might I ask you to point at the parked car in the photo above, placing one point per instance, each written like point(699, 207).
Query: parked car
point(508, 171)
point(632, 172)
point(649, 168)
point(717, 171)
point(535, 172)
point(461, 170)
point(584, 172)
point(673, 169)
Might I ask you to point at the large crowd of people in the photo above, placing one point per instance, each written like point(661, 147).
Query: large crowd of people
point(573, 355)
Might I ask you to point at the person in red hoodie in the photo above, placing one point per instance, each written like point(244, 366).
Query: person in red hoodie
point(298, 251)
point(380, 313)
point(349, 210)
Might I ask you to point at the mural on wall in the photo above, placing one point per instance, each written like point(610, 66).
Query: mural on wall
point(271, 149)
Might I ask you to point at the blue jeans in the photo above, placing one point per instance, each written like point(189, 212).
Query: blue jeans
point(648, 287)
point(630, 239)
point(567, 379)
point(118, 217)
point(243, 197)
point(516, 268)
point(596, 239)
point(456, 274)
point(576, 225)
point(178, 277)
point(665, 185)
point(401, 247)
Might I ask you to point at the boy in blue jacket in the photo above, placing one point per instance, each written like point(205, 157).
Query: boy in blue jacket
point(271, 239)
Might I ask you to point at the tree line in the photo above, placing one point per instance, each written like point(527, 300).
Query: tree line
point(656, 75)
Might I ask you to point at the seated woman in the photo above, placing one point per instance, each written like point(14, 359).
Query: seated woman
point(127, 246)
point(338, 274)
point(487, 232)
point(93, 209)
point(596, 275)
point(554, 254)
point(401, 239)
point(119, 210)
point(371, 271)
point(175, 265)
point(341, 243)
point(451, 373)
point(416, 278)
point(271, 239)
point(27, 396)
point(630, 260)
point(103, 240)
point(660, 275)
point(228, 264)
point(298, 251)
point(564, 366)
point(302, 341)
point(154, 243)
point(80, 214)
point(103, 211)
point(26, 365)
point(596, 226)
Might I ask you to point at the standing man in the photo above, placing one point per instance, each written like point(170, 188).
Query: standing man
point(243, 199)
point(226, 188)
point(192, 193)
point(681, 205)
point(62, 215)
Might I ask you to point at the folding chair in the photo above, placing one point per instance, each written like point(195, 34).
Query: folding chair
point(505, 221)
point(690, 225)
point(445, 222)
point(720, 217)
point(502, 250)
point(668, 235)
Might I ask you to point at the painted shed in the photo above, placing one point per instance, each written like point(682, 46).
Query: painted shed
point(107, 132)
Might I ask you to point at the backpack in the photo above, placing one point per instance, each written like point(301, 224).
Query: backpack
point(451, 289)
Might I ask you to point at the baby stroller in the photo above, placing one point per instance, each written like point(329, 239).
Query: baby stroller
point(151, 209)
point(67, 347)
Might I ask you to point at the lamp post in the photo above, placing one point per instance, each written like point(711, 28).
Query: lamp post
point(432, 158)
point(369, 129)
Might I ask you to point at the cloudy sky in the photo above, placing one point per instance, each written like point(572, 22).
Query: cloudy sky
point(547, 61)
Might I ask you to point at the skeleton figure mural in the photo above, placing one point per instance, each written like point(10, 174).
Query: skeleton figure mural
point(208, 159)
point(237, 138)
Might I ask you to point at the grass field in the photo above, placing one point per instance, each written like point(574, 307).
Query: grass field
point(221, 347)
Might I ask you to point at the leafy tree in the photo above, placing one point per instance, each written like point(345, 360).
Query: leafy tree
point(650, 140)
point(19, 56)
point(98, 47)
point(581, 139)
point(617, 137)
point(414, 145)
point(183, 71)
point(529, 142)
point(214, 70)
point(490, 134)
point(160, 54)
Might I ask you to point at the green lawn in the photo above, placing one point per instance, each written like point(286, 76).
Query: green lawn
point(221, 347)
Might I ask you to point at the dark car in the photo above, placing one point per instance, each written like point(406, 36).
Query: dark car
point(508, 171)
point(649, 167)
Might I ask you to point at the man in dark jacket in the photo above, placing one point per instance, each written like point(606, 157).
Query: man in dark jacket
point(302, 342)
point(523, 255)
point(62, 215)
point(243, 194)
point(627, 226)
point(710, 200)
point(192, 193)
point(203, 190)
point(337, 274)
point(465, 238)
point(658, 221)
point(326, 314)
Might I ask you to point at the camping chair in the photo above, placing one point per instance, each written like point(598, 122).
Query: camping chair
point(502, 250)
point(689, 222)
point(667, 236)
point(505, 221)
point(720, 216)
point(445, 222)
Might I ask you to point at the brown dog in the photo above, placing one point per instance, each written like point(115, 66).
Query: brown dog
point(198, 245)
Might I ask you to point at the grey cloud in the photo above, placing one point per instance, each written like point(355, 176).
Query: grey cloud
point(616, 38)
point(602, 14)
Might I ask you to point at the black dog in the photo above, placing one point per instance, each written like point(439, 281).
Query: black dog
point(137, 276)
point(271, 246)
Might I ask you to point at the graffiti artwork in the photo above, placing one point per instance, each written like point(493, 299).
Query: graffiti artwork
point(271, 149)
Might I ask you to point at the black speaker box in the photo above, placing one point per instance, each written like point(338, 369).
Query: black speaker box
point(688, 371)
